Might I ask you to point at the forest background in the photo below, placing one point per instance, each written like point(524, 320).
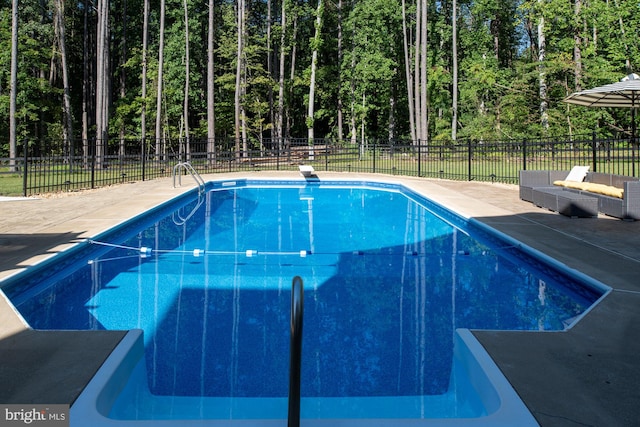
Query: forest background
point(256, 70)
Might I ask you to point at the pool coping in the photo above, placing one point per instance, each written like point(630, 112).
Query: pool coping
point(587, 375)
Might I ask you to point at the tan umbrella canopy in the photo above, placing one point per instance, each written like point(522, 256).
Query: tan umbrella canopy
point(624, 94)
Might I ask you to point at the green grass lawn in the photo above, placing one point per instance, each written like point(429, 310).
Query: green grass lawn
point(10, 185)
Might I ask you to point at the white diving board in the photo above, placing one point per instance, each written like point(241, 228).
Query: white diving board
point(306, 170)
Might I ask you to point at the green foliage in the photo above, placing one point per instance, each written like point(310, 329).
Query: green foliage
point(498, 82)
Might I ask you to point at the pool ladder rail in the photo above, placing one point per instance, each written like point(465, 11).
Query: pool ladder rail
point(177, 217)
point(186, 166)
point(180, 219)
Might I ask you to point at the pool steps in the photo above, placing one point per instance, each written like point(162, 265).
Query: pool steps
point(502, 405)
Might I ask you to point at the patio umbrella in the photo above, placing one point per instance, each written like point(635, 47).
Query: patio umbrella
point(625, 94)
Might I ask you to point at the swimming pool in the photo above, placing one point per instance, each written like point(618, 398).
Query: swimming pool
point(389, 278)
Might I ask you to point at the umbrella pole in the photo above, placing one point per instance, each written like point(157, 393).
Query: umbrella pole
point(633, 140)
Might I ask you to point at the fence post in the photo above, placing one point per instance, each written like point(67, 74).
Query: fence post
point(524, 154)
point(25, 171)
point(326, 155)
point(93, 163)
point(593, 152)
point(419, 159)
point(470, 155)
point(374, 156)
point(143, 149)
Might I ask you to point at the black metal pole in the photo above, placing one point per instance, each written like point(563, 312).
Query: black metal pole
point(25, 168)
point(374, 157)
point(93, 163)
point(594, 152)
point(326, 156)
point(419, 159)
point(295, 355)
point(143, 158)
point(633, 139)
point(469, 160)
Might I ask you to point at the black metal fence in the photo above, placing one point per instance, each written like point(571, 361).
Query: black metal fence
point(45, 167)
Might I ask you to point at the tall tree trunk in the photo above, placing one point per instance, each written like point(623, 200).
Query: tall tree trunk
point(243, 88)
point(239, 62)
point(533, 49)
point(13, 96)
point(211, 128)
point(160, 82)
point(392, 112)
point(408, 75)
point(416, 72)
point(312, 81)
point(352, 88)
point(542, 82)
point(123, 73)
point(340, 119)
point(454, 57)
point(243, 83)
point(66, 104)
point(423, 73)
point(363, 122)
point(86, 87)
point(279, 134)
point(270, 72)
point(185, 112)
point(495, 32)
point(145, 61)
point(102, 81)
point(292, 74)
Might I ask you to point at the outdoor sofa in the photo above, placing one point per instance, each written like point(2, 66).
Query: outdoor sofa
point(616, 195)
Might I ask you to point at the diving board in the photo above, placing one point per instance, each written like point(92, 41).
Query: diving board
point(306, 170)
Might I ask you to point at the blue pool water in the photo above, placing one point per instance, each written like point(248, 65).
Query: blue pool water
point(388, 279)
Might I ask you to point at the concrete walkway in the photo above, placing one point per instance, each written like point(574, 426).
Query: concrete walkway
point(588, 375)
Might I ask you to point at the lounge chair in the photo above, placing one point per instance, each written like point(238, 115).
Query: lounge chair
point(616, 195)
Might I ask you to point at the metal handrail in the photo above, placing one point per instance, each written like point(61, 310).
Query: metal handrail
point(295, 355)
point(194, 173)
point(177, 217)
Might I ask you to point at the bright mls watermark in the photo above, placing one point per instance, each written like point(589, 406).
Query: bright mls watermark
point(34, 415)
